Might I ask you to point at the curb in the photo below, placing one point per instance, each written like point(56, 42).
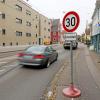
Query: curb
point(50, 92)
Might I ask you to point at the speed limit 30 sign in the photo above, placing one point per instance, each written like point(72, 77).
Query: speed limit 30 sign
point(71, 21)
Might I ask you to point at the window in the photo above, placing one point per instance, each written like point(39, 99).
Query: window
point(54, 39)
point(19, 8)
point(36, 26)
point(28, 34)
point(49, 37)
point(49, 23)
point(2, 15)
point(48, 49)
point(36, 35)
point(18, 33)
point(11, 43)
point(16, 43)
point(3, 31)
point(3, 1)
point(36, 17)
point(3, 44)
point(28, 23)
point(48, 30)
point(45, 21)
point(28, 12)
point(18, 20)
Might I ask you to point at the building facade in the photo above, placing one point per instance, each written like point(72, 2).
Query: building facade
point(20, 24)
point(95, 39)
point(45, 29)
point(87, 36)
point(55, 30)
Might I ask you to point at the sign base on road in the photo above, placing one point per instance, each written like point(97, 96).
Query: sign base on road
point(71, 92)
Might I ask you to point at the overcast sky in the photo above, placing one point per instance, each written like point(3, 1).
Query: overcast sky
point(55, 9)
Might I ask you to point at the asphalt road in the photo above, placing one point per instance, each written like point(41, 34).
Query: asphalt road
point(29, 83)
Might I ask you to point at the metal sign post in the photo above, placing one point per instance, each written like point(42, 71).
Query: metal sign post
point(71, 59)
point(71, 91)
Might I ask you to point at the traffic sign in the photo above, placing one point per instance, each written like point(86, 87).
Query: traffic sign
point(71, 21)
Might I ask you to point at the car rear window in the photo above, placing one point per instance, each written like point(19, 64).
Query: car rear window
point(36, 49)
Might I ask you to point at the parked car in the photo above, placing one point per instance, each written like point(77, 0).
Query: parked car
point(38, 55)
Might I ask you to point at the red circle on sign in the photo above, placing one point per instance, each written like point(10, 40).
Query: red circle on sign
point(77, 24)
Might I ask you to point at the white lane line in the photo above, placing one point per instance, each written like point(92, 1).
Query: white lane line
point(2, 70)
point(3, 62)
point(6, 68)
point(10, 65)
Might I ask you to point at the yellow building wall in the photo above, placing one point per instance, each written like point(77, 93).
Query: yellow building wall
point(9, 23)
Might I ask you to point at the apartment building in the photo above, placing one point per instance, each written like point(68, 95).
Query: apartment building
point(20, 24)
point(45, 29)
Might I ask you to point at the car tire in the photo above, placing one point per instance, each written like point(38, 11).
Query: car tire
point(47, 64)
point(65, 48)
point(56, 58)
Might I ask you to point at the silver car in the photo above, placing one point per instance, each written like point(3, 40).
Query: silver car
point(38, 55)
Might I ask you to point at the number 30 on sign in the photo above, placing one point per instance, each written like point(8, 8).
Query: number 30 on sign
point(71, 21)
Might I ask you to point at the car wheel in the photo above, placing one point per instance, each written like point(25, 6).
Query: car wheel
point(47, 64)
point(65, 48)
point(56, 58)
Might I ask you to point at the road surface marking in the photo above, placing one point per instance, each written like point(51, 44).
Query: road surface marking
point(10, 65)
point(2, 70)
point(2, 63)
point(8, 58)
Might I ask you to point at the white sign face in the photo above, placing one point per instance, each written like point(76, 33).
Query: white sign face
point(70, 36)
point(70, 39)
point(71, 21)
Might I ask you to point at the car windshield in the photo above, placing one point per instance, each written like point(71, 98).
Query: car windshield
point(36, 49)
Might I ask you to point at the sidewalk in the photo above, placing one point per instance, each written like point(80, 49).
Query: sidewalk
point(90, 61)
point(96, 58)
point(19, 47)
point(12, 48)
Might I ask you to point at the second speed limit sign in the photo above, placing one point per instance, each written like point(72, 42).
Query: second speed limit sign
point(71, 21)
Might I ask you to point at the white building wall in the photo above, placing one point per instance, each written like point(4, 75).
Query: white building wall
point(96, 22)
